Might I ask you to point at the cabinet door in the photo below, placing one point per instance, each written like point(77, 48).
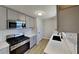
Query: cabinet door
point(29, 22)
point(33, 41)
point(12, 15)
point(21, 17)
point(2, 18)
point(4, 50)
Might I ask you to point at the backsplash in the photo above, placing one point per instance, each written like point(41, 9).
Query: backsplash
point(4, 33)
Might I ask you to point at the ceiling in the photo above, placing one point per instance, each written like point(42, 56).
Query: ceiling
point(49, 10)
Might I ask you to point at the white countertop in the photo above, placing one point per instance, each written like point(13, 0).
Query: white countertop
point(3, 44)
point(55, 47)
point(30, 35)
point(26, 34)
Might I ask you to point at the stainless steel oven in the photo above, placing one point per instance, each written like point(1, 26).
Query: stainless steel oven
point(18, 45)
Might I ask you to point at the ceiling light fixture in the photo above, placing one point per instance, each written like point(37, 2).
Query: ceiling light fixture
point(39, 13)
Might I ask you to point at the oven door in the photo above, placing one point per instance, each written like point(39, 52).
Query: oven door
point(22, 49)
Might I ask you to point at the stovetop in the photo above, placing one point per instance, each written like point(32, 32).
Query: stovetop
point(15, 40)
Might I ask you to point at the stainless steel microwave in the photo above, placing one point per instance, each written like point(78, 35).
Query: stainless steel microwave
point(15, 24)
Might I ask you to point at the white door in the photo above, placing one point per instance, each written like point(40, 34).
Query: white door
point(39, 30)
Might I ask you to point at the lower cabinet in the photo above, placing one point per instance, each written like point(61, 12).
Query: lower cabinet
point(33, 41)
point(22, 49)
point(4, 50)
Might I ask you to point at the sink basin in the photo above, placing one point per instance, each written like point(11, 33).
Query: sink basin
point(57, 38)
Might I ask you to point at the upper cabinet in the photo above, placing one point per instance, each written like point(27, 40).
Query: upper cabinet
point(9, 14)
point(2, 18)
point(13, 15)
point(21, 17)
point(30, 22)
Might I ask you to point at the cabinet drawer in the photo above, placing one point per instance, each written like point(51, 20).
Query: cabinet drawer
point(4, 50)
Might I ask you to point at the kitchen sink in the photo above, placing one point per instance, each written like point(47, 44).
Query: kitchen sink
point(57, 38)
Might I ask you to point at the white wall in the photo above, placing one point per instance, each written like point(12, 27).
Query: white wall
point(50, 25)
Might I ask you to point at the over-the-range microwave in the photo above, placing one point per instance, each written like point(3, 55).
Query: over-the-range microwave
point(15, 24)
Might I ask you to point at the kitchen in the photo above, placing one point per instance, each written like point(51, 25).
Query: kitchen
point(32, 30)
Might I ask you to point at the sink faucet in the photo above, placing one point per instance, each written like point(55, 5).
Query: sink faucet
point(60, 33)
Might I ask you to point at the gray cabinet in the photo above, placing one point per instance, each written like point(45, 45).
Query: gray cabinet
point(33, 41)
point(2, 18)
point(30, 22)
point(13, 15)
point(21, 17)
point(4, 50)
point(4, 47)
